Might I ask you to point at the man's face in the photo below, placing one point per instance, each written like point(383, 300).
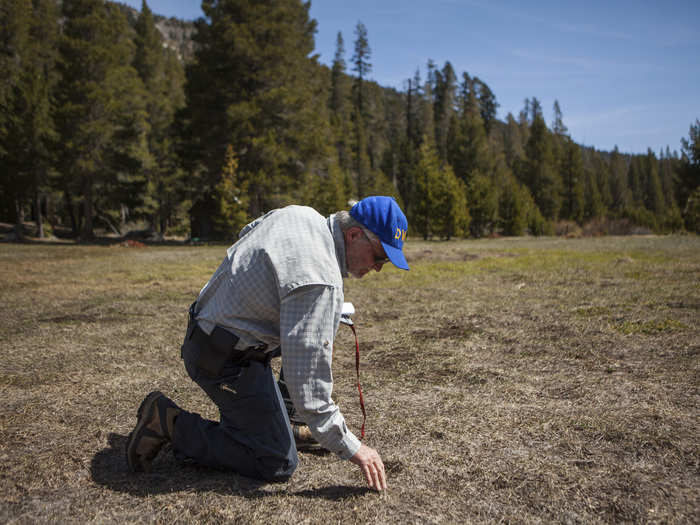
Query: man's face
point(361, 254)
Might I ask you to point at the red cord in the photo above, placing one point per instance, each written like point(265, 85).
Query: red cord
point(359, 388)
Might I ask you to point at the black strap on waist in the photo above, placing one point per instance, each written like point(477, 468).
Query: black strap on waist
point(213, 351)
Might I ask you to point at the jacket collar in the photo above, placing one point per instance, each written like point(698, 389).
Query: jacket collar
point(339, 241)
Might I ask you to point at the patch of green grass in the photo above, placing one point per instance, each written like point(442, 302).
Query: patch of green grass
point(649, 327)
point(592, 311)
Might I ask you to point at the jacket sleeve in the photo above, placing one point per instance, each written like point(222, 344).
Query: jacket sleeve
point(309, 318)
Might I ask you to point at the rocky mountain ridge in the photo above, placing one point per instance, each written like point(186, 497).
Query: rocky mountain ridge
point(177, 34)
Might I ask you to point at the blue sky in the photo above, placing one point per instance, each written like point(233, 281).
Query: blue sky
point(625, 73)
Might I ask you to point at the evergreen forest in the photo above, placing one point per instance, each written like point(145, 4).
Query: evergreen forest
point(107, 123)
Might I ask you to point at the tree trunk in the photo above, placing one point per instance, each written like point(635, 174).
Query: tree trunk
point(19, 218)
point(163, 222)
point(87, 232)
point(39, 221)
point(103, 217)
point(123, 213)
point(71, 213)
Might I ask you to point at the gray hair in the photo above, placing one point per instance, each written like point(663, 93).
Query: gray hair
point(347, 221)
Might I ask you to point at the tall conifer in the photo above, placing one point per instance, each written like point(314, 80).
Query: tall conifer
point(487, 104)
point(254, 85)
point(619, 190)
point(572, 207)
point(445, 106)
point(653, 196)
point(362, 67)
point(338, 91)
point(689, 177)
point(101, 111)
point(29, 33)
point(163, 96)
point(512, 207)
point(361, 64)
point(468, 149)
point(427, 176)
point(593, 203)
point(539, 171)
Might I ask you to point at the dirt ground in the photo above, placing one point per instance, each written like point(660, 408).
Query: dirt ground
point(507, 380)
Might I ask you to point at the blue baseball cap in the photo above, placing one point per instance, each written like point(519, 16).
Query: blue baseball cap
point(383, 217)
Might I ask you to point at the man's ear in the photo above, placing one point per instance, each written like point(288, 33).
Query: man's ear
point(352, 234)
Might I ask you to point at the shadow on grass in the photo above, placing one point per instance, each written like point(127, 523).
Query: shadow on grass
point(109, 468)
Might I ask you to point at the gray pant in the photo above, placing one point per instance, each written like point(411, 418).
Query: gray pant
point(253, 436)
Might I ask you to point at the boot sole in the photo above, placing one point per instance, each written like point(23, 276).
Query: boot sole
point(304, 443)
point(305, 447)
point(146, 408)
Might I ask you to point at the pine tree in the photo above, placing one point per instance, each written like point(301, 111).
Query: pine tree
point(260, 94)
point(451, 217)
point(524, 115)
point(513, 144)
point(691, 212)
point(635, 177)
point(15, 29)
point(427, 106)
point(668, 166)
point(559, 138)
point(231, 196)
point(536, 224)
point(593, 204)
point(689, 178)
point(487, 104)
point(445, 107)
point(101, 111)
point(601, 168)
point(407, 162)
point(414, 111)
point(326, 190)
point(164, 96)
point(427, 180)
point(338, 106)
point(535, 110)
point(558, 127)
point(539, 171)
point(29, 35)
point(338, 89)
point(573, 182)
point(512, 207)
point(172, 201)
point(361, 66)
point(361, 162)
point(619, 189)
point(667, 169)
point(483, 205)
point(468, 149)
point(653, 196)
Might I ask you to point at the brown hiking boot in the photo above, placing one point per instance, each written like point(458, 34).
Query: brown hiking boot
point(303, 437)
point(154, 427)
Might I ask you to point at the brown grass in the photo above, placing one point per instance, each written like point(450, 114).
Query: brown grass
point(505, 380)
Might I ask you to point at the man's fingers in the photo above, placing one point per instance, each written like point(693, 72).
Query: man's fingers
point(372, 467)
point(375, 477)
point(377, 480)
point(379, 483)
point(368, 475)
point(382, 476)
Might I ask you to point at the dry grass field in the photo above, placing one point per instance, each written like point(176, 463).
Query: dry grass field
point(508, 380)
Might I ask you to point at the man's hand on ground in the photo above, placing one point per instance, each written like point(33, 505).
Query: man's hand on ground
point(372, 467)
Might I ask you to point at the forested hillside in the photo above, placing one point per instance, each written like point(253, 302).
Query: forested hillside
point(118, 120)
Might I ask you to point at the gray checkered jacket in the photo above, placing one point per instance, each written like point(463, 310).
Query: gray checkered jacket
point(282, 284)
